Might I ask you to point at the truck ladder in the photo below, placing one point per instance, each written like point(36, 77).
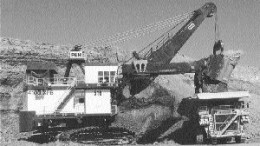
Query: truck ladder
point(230, 122)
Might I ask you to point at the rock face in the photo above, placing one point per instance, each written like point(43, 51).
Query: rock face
point(154, 112)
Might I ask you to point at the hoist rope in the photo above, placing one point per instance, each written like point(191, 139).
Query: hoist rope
point(161, 37)
point(164, 34)
point(217, 33)
point(139, 31)
point(137, 34)
point(130, 35)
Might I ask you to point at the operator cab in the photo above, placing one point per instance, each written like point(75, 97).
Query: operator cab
point(101, 74)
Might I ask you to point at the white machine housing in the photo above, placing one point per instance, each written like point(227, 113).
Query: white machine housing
point(92, 98)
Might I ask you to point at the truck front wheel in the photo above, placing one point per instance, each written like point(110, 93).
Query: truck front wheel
point(238, 139)
point(199, 139)
point(214, 141)
point(200, 136)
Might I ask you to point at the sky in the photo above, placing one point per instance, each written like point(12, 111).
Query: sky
point(70, 22)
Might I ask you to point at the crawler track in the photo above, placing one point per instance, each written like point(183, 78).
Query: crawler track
point(87, 135)
point(95, 135)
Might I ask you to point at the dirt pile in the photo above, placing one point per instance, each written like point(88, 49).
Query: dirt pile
point(152, 112)
point(161, 114)
point(247, 73)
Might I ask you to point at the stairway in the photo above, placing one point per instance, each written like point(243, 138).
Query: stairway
point(65, 97)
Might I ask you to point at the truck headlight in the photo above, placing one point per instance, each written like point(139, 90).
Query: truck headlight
point(245, 119)
point(204, 121)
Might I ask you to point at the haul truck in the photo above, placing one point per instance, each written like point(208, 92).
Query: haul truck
point(221, 116)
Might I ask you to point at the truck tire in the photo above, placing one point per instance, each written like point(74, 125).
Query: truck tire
point(223, 140)
point(214, 141)
point(199, 139)
point(238, 139)
point(200, 136)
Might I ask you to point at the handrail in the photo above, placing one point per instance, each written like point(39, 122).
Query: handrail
point(63, 81)
point(50, 81)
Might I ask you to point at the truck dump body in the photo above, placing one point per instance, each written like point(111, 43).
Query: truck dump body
point(223, 95)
